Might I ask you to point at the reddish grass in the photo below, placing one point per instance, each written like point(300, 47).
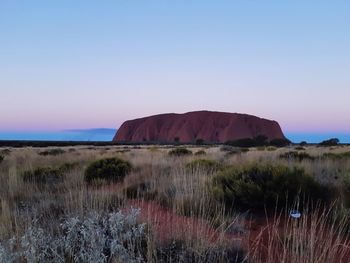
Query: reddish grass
point(167, 225)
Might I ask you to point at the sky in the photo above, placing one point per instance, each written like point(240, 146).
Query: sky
point(94, 64)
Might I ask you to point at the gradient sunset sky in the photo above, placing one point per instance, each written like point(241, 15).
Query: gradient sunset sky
point(87, 64)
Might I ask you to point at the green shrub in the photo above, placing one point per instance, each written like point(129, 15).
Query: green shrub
point(141, 190)
point(261, 148)
point(231, 150)
point(5, 152)
point(45, 175)
point(299, 156)
point(265, 185)
point(280, 142)
point(52, 152)
point(299, 148)
point(180, 152)
point(245, 142)
point(257, 141)
point(66, 167)
point(201, 152)
point(204, 165)
point(330, 142)
point(271, 148)
point(110, 170)
point(260, 140)
point(227, 148)
point(1, 158)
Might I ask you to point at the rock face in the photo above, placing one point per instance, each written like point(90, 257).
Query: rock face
point(215, 127)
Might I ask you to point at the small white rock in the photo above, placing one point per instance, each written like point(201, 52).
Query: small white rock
point(295, 214)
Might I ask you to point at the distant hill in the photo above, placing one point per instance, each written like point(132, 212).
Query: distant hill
point(99, 134)
point(208, 126)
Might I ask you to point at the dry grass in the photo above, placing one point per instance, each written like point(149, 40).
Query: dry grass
point(168, 192)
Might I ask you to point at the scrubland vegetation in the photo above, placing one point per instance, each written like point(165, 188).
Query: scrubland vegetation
point(175, 204)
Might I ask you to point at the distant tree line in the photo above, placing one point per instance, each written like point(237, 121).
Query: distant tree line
point(260, 140)
point(257, 141)
point(330, 142)
point(25, 143)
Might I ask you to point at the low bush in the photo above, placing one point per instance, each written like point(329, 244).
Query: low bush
point(261, 148)
point(299, 148)
point(180, 152)
point(265, 185)
point(66, 167)
point(95, 238)
point(43, 175)
point(122, 151)
point(330, 142)
point(231, 150)
point(142, 190)
point(299, 156)
point(5, 152)
point(280, 142)
point(110, 170)
point(1, 158)
point(245, 142)
point(204, 165)
point(271, 148)
point(201, 152)
point(258, 141)
point(227, 148)
point(52, 152)
point(47, 175)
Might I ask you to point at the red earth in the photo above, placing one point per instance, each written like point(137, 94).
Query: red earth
point(166, 225)
point(258, 231)
point(209, 126)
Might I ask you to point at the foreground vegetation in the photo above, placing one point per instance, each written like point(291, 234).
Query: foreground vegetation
point(175, 204)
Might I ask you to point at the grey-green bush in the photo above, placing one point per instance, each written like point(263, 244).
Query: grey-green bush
point(45, 175)
point(95, 238)
point(109, 169)
point(266, 185)
point(298, 156)
point(52, 152)
point(181, 151)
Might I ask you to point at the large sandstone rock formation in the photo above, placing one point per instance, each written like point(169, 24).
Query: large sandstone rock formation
point(189, 127)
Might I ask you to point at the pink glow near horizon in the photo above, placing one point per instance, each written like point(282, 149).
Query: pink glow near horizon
point(56, 124)
point(84, 64)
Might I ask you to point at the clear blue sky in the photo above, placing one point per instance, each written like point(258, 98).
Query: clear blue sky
point(85, 64)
